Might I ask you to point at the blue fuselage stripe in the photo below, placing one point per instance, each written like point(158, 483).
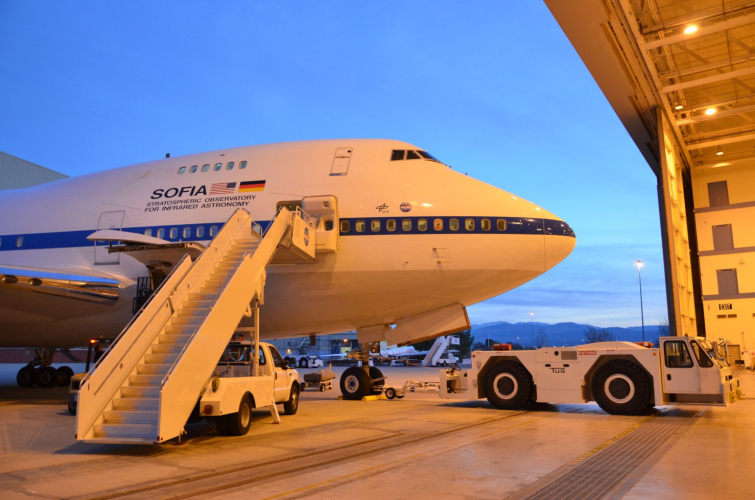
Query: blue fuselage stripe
point(514, 225)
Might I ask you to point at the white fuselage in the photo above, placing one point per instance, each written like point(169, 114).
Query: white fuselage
point(376, 276)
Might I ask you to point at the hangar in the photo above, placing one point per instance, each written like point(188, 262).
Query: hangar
point(681, 77)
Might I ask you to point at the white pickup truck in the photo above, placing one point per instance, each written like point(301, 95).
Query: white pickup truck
point(305, 361)
point(234, 389)
point(623, 378)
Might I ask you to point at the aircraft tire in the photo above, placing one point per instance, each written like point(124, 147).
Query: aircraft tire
point(620, 387)
point(26, 376)
point(46, 376)
point(64, 376)
point(240, 422)
point(292, 405)
point(390, 393)
point(71, 406)
point(377, 387)
point(355, 383)
point(508, 386)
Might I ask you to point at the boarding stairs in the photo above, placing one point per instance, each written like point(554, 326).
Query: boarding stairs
point(145, 389)
point(436, 351)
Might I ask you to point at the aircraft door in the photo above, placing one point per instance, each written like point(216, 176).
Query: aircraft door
point(341, 162)
point(325, 210)
point(108, 220)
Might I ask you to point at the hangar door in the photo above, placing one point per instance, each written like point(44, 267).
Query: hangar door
point(680, 275)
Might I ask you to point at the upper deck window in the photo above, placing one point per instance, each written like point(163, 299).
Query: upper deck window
point(242, 165)
point(217, 167)
point(230, 165)
point(193, 169)
point(182, 170)
point(205, 167)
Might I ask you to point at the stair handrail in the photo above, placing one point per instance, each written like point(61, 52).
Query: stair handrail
point(125, 329)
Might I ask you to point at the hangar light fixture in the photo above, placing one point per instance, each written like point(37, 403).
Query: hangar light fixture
point(690, 29)
point(719, 152)
point(710, 111)
point(678, 105)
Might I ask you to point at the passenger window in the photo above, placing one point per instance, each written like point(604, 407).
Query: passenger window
point(412, 155)
point(345, 226)
point(217, 167)
point(422, 224)
point(182, 170)
point(501, 224)
point(161, 233)
point(375, 225)
point(200, 231)
point(702, 357)
point(469, 224)
point(174, 232)
point(485, 224)
point(206, 167)
point(390, 225)
point(360, 226)
point(213, 231)
point(242, 165)
point(20, 241)
point(406, 225)
point(397, 154)
point(193, 169)
point(187, 232)
point(1, 242)
point(328, 225)
point(676, 354)
point(453, 224)
point(147, 232)
point(229, 166)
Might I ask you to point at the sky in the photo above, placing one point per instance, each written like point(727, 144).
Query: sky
point(492, 88)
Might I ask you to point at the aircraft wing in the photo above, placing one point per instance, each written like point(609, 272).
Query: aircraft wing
point(79, 283)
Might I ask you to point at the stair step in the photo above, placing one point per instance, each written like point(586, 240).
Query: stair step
point(179, 330)
point(130, 417)
point(136, 404)
point(152, 369)
point(193, 311)
point(163, 348)
point(207, 303)
point(174, 338)
point(187, 320)
point(126, 431)
point(203, 296)
point(140, 391)
point(161, 358)
point(154, 380)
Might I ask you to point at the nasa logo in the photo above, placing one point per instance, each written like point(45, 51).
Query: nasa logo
point(406, 207)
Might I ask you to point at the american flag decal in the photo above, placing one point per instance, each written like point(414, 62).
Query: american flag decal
point(223, 188)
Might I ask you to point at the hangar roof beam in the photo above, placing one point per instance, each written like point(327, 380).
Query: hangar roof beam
point(733, 22)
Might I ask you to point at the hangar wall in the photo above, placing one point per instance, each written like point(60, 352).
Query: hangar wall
point(724, 215)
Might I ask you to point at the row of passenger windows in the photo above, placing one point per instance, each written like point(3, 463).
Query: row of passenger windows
point(185, 232)
point(422, 225)
point(218, 166)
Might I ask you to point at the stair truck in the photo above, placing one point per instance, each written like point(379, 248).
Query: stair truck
point(623, 378)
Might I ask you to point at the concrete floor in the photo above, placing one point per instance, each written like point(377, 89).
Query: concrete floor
point(418, 447)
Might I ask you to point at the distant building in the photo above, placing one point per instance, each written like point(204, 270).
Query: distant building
point(16, 173)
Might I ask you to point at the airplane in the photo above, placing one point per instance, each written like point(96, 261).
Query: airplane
point(404, 243)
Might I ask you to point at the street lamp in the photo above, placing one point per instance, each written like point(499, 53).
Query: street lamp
point(532, 315)
point(639, 265)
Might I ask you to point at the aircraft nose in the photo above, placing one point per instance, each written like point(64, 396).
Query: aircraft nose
point(559, 242)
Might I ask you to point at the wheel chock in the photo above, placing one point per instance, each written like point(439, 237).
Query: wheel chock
point(367, 398)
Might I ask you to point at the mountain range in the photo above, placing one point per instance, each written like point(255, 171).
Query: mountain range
point(559, 334)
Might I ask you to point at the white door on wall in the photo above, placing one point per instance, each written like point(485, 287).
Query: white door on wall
point(108, 220)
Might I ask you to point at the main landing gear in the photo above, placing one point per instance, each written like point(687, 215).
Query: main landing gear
point(360, 381)
point(40, 372)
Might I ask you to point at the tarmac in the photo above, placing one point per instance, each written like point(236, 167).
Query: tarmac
point(413, 448)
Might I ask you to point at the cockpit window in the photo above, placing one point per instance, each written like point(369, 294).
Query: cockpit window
point(427, 156)
point(403, 154)
point(412, 155)
point(398, 154)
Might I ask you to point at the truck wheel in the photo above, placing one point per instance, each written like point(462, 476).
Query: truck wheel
point(621, 388)
point(508, 386)
point(221, 425)
point(378, 381)
point(292, 404)
point(355, 383)
point(72, 405)
point(239, 422)
point(390, 393)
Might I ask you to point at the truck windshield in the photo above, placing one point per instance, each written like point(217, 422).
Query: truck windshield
point(703, 359)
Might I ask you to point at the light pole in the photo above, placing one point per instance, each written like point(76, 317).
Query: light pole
point(532, 315)
point(639, 265)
